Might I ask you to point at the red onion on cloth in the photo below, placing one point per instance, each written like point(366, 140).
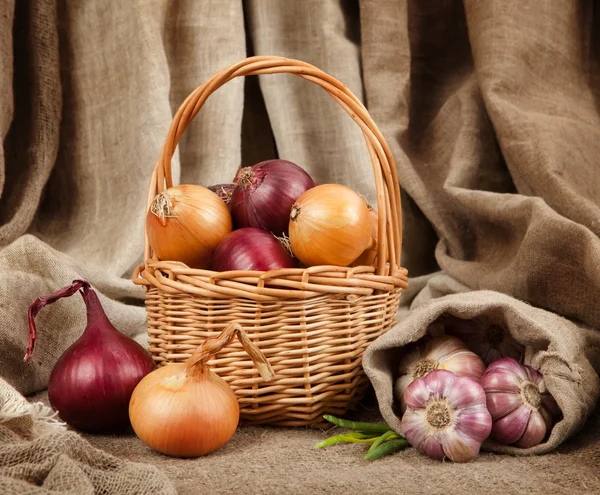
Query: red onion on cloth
point(92, 381)
point(264, 194)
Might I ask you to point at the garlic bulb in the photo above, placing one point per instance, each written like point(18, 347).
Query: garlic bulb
point(445, 353)
point(521, 407)
point(446, 416)
point(486, 337)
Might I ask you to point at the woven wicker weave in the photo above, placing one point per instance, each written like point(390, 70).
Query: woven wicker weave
point(312, 324)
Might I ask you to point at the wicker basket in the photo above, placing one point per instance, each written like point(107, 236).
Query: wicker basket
point(312, 324)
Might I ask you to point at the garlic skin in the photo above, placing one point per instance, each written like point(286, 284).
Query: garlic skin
point(445, 353)
point(521, 407)
point(446, 416)
point(485, 336)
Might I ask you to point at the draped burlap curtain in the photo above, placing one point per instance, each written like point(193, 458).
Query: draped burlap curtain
point(491, 109)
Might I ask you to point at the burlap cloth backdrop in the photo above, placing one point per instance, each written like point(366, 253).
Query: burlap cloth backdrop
point(491, 109)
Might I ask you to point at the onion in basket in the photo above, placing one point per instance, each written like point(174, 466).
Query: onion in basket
point(330, 225)
point(186, 223)
point(251, 249)
point(265, 193)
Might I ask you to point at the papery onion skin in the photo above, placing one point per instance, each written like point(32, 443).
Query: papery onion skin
point(521, 407)
point(186, 223)
point(91, 383)
point(329, 225)
point(446, 416)
point(183, 417)
point(265, 192)
point(251, 249)
point(443, 352)
point(369, 255)
point(224, 191)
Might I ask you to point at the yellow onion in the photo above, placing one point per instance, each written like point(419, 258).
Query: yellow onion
point(329, 225)
point(186, 410)
point(186, 223)
point(439, 353)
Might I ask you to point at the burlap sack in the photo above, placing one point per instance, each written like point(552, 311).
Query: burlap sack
point(565, 353)
point(39, 456)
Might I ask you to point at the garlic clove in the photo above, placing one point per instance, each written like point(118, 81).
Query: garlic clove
point(439, 348)
point(511, 367)
point(409, 361)
point(459, 448)
point(400, 387)
point(412, 425)
point(546, 416)
point(549, 403)
point(464, 394)
point(433, 448)
point(441, 381)
point(510, 428)
point(500, 404)
point(465, 364)
point(533, 376)
point(535, 431)
point(416, 396)
point(474, 423)
point(500, 381)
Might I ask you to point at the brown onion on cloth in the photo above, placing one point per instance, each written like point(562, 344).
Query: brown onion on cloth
point(185, 409)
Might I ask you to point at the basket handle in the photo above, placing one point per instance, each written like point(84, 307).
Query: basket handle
point(384, 168)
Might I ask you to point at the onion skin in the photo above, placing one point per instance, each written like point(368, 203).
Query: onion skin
point(224, 191)
point(251, 249)
point(521, 407)
point(91, 383)
point(330, 225)
point(446, 416)
point(264, 194)
point(184, 417)
point(369, 255)
point(186, 223)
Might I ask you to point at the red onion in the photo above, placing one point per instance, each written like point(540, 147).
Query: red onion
point(264, 194)
point(91, 383)
point(522, 409)
point(224, 191)
point(251, 249)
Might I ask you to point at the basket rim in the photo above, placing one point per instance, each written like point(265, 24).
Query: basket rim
point(291, 283)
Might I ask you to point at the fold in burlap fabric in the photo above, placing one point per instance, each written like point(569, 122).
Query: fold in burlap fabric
point(564, 352)
point(38, 455)
point(491, 110)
